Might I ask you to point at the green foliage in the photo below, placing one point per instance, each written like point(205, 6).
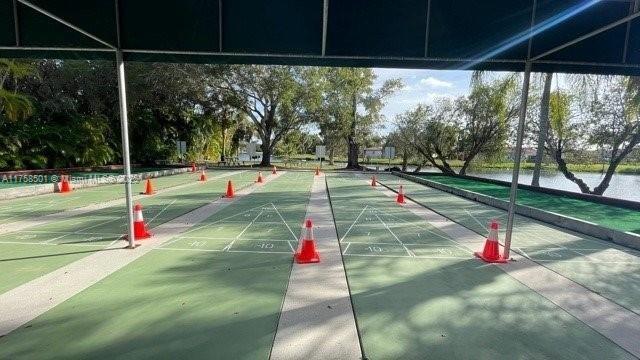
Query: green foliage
point(297, 142)
point(13, 105)
point(351, 107)
point(467, 127)
point(559, 113)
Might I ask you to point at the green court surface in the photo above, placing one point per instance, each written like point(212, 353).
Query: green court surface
point(28, 254)
point(216, 289)
point(608, 269)
point(418, 294)
point(40, 205)
point(613, 217)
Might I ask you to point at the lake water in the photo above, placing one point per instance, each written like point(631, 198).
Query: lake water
point(622, 186)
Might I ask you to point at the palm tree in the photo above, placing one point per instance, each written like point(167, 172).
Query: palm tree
point(14, 106)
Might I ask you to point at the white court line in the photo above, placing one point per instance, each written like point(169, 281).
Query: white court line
point(228, 247)
point(412, 257)
point(454, 246)
point(284, 221)
point(426, 230)
point(66, 232)
point(556, 246)
point(354, 222)
point(523, 253)
point(257, 222)
point(394, 235)
point(50, 204)
point(415, 225)
point(459, 245)
point(83, 229)
point(229, 238)
point(344, 252)
point(585, 261)
point(220, 251)
point(224, 219)
point(259, 252)
point(291, 246)
point(474, 218)
point(525, 232)
point(161, 211)
point(48, 244)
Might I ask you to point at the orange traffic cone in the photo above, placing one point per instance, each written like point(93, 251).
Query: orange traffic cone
point(260, 177)
point(317, 170)
point(273, 171)
point(65, 187)
point(491, 251)
point(400, 197)
point(373, 180)
point(193, 167)
point(148, 188)
point(307, 252)
point(230, 192)
point(203, 176)
point(139, 228)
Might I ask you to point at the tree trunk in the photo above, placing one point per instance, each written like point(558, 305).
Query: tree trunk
point(405, 161)
point(613, 165)
point(352, 154)
point(224, 142)
point(467, 162)
point(604, 184)
point(331, 155)
point(544, 128)
point(564, 169)
point(266, 153)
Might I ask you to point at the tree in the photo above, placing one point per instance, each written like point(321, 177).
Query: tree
point(431, 131)
point(13, 105)
point(610, 120)
point(486, 114)
point(543, 128)
point(403, 148)
point(354, 106)
point(466, 127)
point(277, 99)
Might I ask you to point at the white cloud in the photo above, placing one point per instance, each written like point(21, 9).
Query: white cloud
point(433, 82)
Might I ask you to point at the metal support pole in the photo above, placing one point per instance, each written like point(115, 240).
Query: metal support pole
point(124, 125)
point(516, 164)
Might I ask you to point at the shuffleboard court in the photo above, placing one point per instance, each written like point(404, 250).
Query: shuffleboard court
point(608, 269)
point(28, 254)
point(40, 205)
point(209, 291)
point(424, 294)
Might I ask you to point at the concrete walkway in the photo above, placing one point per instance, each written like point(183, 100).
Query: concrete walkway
point(24, 303)
point(613, 321)
point(317, 320)
point(25, 224)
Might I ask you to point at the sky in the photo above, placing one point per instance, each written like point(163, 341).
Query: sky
point(420, 86)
